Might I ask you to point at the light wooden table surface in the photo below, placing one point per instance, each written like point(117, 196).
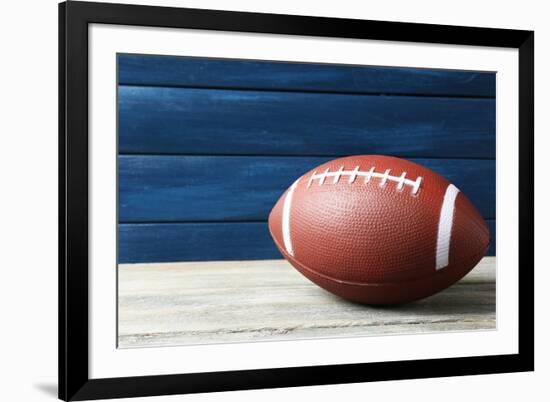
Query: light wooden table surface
point(243, 301)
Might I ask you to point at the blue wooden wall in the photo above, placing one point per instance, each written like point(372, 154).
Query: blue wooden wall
point(207, 146)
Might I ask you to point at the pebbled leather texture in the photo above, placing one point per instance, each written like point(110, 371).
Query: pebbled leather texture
point(373, 242)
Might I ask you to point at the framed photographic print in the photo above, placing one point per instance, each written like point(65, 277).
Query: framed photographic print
point(257, 201)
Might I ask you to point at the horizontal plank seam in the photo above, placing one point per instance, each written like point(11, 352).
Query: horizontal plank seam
point(259, 155)
point(127, 298)
point(199, 222)
point(214, 222)
point(309, 91)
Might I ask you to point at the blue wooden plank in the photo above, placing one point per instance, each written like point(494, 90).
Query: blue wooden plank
point(147, 243)
point(195, 242)
point(243, 188)
point(252, 74)
point(201, 121)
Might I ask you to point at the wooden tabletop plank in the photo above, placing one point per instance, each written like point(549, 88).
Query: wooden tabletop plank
point(242, 301)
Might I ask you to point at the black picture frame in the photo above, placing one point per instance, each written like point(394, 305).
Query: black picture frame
point(74, 381)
